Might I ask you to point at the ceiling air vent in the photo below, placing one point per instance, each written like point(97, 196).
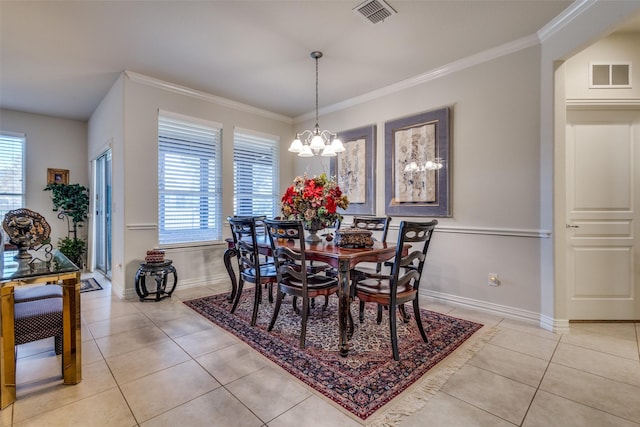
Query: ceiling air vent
point(374, 11)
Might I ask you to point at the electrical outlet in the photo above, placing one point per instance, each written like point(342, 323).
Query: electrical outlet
point(494, 279)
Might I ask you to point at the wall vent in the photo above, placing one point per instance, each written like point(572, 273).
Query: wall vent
point(374, 11)
point(610, 75)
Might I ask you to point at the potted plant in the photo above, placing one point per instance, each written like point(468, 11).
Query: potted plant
point(71, 201)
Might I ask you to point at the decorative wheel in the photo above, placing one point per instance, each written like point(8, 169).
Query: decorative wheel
point(26, 228)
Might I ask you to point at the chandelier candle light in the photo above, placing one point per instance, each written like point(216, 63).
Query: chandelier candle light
point(310, 143)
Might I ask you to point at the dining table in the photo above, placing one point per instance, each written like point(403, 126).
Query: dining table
point(343, 259)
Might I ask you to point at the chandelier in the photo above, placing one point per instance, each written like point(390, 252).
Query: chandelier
point(315, 142)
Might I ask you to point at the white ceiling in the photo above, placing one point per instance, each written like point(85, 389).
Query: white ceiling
point(61, 57)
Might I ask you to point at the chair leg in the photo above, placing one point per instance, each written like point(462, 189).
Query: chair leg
point(416, 311)
point(256, 303)
point(305, 315)
point(393, 332)
point(326, 303)
point(403, 313)
point(379, 317)
point(276, 310)
point(270, 285)
point(238, 294)
point(361, 312)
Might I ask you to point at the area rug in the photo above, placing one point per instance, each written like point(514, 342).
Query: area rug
point(90, 284)
point(368, 378)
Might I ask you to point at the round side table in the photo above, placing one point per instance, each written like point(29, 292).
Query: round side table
point(160, 272)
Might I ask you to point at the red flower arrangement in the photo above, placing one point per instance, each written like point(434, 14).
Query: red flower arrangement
point(314, 201)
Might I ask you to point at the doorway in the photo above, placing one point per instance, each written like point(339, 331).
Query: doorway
point(602, 205)
point(103, 213)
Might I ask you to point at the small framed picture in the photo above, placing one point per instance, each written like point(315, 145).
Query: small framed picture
point(57, 176)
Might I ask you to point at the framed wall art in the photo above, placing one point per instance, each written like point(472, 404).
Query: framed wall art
point(57, 176)
point(417, 165)
point(353, 169)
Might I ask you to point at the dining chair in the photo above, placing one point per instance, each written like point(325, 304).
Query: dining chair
point(294, 276)
point(402, 285)
point(252, 267)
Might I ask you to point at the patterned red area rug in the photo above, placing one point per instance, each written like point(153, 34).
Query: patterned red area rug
point(368, 377)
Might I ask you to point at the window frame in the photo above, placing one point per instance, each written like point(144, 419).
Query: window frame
point(21, 138)
point(245, 143)
point(199, 189)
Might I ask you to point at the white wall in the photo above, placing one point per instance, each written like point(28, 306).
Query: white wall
point(494, 182)
point(623, 47)
point(50, 143)
point(106, 130)
point(135, 104)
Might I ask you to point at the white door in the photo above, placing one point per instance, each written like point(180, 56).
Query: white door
point(603, 192)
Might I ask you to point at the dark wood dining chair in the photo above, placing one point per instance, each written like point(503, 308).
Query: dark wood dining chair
point(403, 284)
point(252, 266)
point(294, 276)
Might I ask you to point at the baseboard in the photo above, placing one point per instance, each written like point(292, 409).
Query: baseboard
point(559, 326)
point(484, 306)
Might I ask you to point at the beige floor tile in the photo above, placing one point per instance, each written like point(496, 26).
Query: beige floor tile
point(233, 362)
point(40, 366)
point(493, 393)
point(193, 293)
point(548, 410)
point(529, 328)
point(119, 324)
point(162, 391)
point(101, 410)
point(218, 408)
point(317, 412)
point(126, 342)
point(146, 360)
point(591, 390)
point(201, 343)
point(511, 364)
point(107, 308)
point(602, 364)
point(90, 352)
point(185, 325)
point(36, 398)
point(269, 392)
point(618, 339)
point(164, 310)
point(475, 316)
point(443, 410)
point(525, 343)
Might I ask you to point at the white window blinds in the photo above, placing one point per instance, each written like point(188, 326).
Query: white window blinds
point(256, 169)
point(189, 181)
point(11, 172)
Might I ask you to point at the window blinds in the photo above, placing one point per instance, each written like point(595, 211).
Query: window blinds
point(189, 181)
point(12, 148)
point(256, 167)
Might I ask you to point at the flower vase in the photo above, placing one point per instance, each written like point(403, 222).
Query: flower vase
point(313, 229)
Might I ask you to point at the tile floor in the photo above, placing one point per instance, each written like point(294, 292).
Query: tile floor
point(160, 364)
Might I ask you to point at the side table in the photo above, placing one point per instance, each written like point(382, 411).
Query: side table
point(160, 272)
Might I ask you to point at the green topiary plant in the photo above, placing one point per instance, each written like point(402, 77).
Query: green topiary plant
point(71, 201)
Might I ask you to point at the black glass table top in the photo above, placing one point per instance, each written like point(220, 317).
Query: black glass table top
point(42, 262)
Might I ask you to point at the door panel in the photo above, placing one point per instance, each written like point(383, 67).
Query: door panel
point(601, 176)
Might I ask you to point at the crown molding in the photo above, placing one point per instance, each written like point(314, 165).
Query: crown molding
point(193, 93)
point(436, 73)
point(574, 10)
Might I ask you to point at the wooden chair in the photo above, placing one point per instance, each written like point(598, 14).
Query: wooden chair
point(294, 277)
point(251, 265)
point(402, 285)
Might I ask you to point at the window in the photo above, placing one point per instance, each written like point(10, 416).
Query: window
point(256, 169)
point(189, 180)
point(11, 172)
point(604, 75)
